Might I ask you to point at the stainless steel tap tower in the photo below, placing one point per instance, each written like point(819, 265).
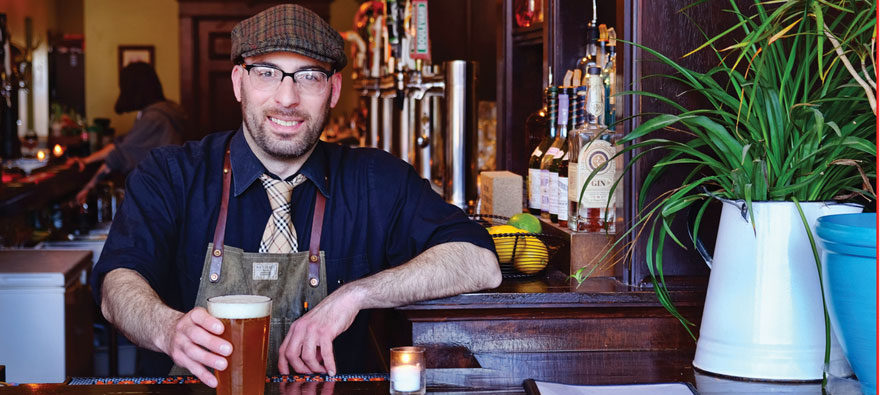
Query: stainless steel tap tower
point(427, 118)
point(460, 133)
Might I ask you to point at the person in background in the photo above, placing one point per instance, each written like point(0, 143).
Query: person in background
point(159, 122)
point(326, 231)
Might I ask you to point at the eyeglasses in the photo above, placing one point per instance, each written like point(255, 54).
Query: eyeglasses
point(267, 78)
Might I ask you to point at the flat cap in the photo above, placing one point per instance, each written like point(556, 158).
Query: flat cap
point(288, 28)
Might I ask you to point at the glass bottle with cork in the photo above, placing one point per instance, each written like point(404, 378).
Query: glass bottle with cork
point(593, 205)
point(552, 166)
point(533, 184)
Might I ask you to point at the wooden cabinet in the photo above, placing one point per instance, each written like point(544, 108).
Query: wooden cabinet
point(558, 43)
point(548, 329)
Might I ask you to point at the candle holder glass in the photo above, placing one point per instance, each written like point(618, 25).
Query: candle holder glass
point(407, 373)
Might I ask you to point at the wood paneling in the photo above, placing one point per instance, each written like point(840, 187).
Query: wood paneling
point(663, 28)
point(551, 329)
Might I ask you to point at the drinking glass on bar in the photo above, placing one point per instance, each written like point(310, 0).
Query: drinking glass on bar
point(246, 322)
point(407, 371)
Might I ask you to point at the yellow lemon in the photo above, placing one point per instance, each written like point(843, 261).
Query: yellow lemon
point(532, 258)
point(505, 246)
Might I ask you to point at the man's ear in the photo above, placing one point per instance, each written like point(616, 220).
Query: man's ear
point(336, 85)
point(236, 81)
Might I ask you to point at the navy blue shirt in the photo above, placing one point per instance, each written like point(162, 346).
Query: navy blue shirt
point(379, 214)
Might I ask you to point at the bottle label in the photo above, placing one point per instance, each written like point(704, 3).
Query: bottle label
point(553, 191)
point(537, 152)
point(572, 188)
point(593, 155)
point(545, 195)
point(534, 190)
point(552, 151)
point(563, 202)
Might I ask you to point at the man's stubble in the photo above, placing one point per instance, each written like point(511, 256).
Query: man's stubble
point(290, 149)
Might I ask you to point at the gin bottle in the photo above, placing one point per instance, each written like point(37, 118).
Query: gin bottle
point(593, 210)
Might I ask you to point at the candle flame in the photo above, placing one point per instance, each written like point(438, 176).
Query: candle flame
point(57, 150)
point(405, 358)
point(41, 156)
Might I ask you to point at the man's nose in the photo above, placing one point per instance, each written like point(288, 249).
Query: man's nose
point(288, 92)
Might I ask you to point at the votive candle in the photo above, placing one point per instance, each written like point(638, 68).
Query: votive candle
point(407, 371)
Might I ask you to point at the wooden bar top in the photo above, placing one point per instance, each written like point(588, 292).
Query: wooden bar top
point(43, 186)
point(480, 381)
point(69, 264)
point(554, 289)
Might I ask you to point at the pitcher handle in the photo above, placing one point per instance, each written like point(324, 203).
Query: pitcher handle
point(690, 223)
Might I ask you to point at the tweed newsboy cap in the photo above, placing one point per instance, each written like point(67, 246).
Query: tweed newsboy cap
point(288, 28)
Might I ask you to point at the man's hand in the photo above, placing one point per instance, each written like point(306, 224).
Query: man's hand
point(81, 164)
point(308, 346)
point(194, 343)
point(81, 196)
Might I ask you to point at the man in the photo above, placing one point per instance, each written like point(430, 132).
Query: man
point(235, 213)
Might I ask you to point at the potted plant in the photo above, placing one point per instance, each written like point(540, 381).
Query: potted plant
point(789, 127)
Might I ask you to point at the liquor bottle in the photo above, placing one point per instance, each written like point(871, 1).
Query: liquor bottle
point(534, 163)
point(565, 102)
point(553, 116)
point(548, 198)
point(610, 80)
point(570, 156)
point(593, 210)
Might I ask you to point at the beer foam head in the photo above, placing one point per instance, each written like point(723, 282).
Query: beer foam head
point(239, 306)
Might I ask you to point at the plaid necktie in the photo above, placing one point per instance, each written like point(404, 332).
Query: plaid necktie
point(280, 237)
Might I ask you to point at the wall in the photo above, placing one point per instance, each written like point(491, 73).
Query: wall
point(41, 12)
point(342, 13)
point(110, 23)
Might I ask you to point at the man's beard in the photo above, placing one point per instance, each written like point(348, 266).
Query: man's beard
point(287, 149)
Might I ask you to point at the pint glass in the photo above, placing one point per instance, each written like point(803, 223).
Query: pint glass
point(246, 322)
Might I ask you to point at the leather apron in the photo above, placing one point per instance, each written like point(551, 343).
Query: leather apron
point(295, 282)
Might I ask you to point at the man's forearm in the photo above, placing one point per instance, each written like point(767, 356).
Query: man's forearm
point(443, 270)
point(100, 154)
point(131, 305)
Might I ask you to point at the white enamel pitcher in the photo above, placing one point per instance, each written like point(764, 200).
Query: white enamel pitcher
point(763, 316)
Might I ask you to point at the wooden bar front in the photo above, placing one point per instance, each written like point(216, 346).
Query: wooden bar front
point(554, 330)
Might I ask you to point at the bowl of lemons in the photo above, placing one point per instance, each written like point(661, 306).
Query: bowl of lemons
point(523, 250)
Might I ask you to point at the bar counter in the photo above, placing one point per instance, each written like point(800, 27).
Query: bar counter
point(550, 328)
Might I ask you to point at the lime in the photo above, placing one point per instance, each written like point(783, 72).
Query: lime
point(526, 221)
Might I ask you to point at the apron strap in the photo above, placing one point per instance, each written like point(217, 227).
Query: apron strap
point(317, 222)
point(220, 233)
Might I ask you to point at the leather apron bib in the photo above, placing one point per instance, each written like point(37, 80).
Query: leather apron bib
point(295, 282)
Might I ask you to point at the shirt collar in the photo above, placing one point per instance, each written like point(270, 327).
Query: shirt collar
point(247, 168)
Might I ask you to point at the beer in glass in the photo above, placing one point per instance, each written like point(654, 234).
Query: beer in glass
point(246, 322)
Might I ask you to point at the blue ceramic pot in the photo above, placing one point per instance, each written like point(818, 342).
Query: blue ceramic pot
point(849, 245)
